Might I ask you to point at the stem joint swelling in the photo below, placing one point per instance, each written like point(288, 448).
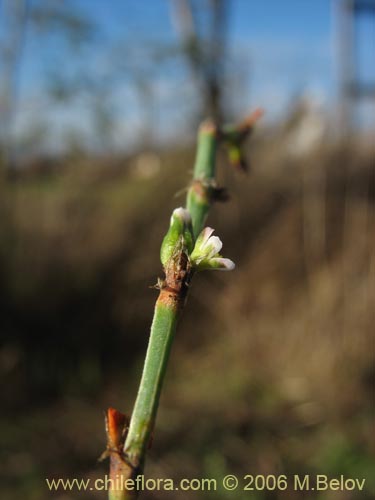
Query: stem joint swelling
point(207, 192)
point(178, 274)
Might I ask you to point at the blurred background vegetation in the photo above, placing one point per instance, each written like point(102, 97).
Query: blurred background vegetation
point(272, 370)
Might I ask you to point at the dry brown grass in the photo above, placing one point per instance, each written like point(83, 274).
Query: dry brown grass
point(272, 370)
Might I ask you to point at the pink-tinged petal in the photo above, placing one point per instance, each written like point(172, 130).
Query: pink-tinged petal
point(204, 235)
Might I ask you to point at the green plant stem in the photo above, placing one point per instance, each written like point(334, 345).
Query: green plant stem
point(162, 332)
point(143, 417)
point(167, 309)
point(127, 458)
point(200, 192)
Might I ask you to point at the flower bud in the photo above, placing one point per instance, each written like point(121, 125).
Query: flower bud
point(179, 235)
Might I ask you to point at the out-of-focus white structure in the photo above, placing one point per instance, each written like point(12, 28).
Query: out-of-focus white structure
point(308, 126)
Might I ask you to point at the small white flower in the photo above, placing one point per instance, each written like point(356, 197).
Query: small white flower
point(205, 254)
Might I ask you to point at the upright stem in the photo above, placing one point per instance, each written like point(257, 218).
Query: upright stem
point(167, 309)
point(127, 464)
point(127, 454)
point(200, 192)
point(162, 332)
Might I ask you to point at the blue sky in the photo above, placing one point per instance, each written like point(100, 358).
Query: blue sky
point(280, 49)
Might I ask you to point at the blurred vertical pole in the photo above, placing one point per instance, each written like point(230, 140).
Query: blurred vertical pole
point(351, 88)
point(345, 56)
point(15, 15)
point(357, 219)
point(205, 53)
point(214, 80)
point(147, 100)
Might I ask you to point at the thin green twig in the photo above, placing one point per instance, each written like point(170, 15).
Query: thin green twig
point(127, 446)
